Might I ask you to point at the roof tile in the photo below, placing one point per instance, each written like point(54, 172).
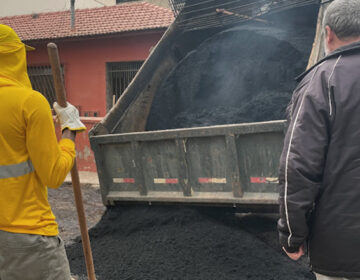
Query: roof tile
point(125, 17)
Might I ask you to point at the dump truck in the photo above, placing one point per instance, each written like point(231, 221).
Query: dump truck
point(192, 126)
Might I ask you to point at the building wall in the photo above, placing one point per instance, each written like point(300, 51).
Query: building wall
point(84, 155)
point(85, 61)
point(162, 3)
point(85, 75)
point(21, 7)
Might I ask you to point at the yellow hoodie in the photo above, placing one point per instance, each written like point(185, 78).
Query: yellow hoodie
point(30, 156)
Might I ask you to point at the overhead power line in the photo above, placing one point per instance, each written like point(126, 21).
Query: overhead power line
point(194, 15)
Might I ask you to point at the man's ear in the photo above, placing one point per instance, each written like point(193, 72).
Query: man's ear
point(330, 35)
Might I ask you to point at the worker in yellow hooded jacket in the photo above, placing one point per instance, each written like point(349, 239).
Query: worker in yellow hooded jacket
point(31, 159)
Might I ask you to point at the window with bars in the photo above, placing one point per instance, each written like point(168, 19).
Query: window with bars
point(119, 76)
point(42, 81)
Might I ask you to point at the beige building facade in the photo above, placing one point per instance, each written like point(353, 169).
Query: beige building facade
point(21, 7)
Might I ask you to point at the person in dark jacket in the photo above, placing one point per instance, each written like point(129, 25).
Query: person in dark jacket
point(320, 163)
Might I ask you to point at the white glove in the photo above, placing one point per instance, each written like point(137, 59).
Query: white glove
point(69, 117)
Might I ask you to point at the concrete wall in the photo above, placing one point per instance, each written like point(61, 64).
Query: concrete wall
point(21, 7)
point(162, 3)
point(84, 155)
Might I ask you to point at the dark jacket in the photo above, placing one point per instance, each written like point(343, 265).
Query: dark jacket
point(320, 166)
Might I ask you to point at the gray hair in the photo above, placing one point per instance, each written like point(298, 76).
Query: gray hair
point(343, 17)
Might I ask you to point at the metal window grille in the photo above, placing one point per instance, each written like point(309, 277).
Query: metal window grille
point(42, 81)
point(120, 75)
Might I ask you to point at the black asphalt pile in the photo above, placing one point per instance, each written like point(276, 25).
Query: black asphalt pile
point(243, 74)
point(158, 243)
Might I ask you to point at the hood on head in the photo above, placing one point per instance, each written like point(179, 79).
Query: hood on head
point(13, 65)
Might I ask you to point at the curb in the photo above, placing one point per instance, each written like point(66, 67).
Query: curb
point(86, 178)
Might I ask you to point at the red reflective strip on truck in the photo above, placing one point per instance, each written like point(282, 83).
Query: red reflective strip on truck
point(212, 180)
point(264, 180)
point(258, 180)
point(204, 180)
point(166, 181)
point(124, 180)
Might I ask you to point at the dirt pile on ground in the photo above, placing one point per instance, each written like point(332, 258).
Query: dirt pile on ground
point(157, 242)
point(63, 205)
point(243, 74)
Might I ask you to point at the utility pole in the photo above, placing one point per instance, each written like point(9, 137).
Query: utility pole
point(72, 8)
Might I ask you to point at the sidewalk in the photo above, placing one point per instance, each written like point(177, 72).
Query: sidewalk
point(86, 178)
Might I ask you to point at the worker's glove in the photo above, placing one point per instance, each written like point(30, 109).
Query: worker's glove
point(69, 117)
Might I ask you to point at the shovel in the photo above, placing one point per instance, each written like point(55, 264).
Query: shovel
point(61, 99)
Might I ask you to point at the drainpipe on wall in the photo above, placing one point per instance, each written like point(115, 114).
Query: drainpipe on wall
point(72, 8)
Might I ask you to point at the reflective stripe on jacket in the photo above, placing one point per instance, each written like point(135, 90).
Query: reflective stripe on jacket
point(16, 170)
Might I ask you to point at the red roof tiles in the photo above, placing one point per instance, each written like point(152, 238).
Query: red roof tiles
point(126, 17)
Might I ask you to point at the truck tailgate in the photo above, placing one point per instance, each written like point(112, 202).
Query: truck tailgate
point(231, 165)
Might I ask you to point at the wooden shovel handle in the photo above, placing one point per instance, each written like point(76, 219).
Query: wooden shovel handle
point(57, 75)
point(61, 99)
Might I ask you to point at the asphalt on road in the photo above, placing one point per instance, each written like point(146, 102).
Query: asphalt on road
point(174, 242)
